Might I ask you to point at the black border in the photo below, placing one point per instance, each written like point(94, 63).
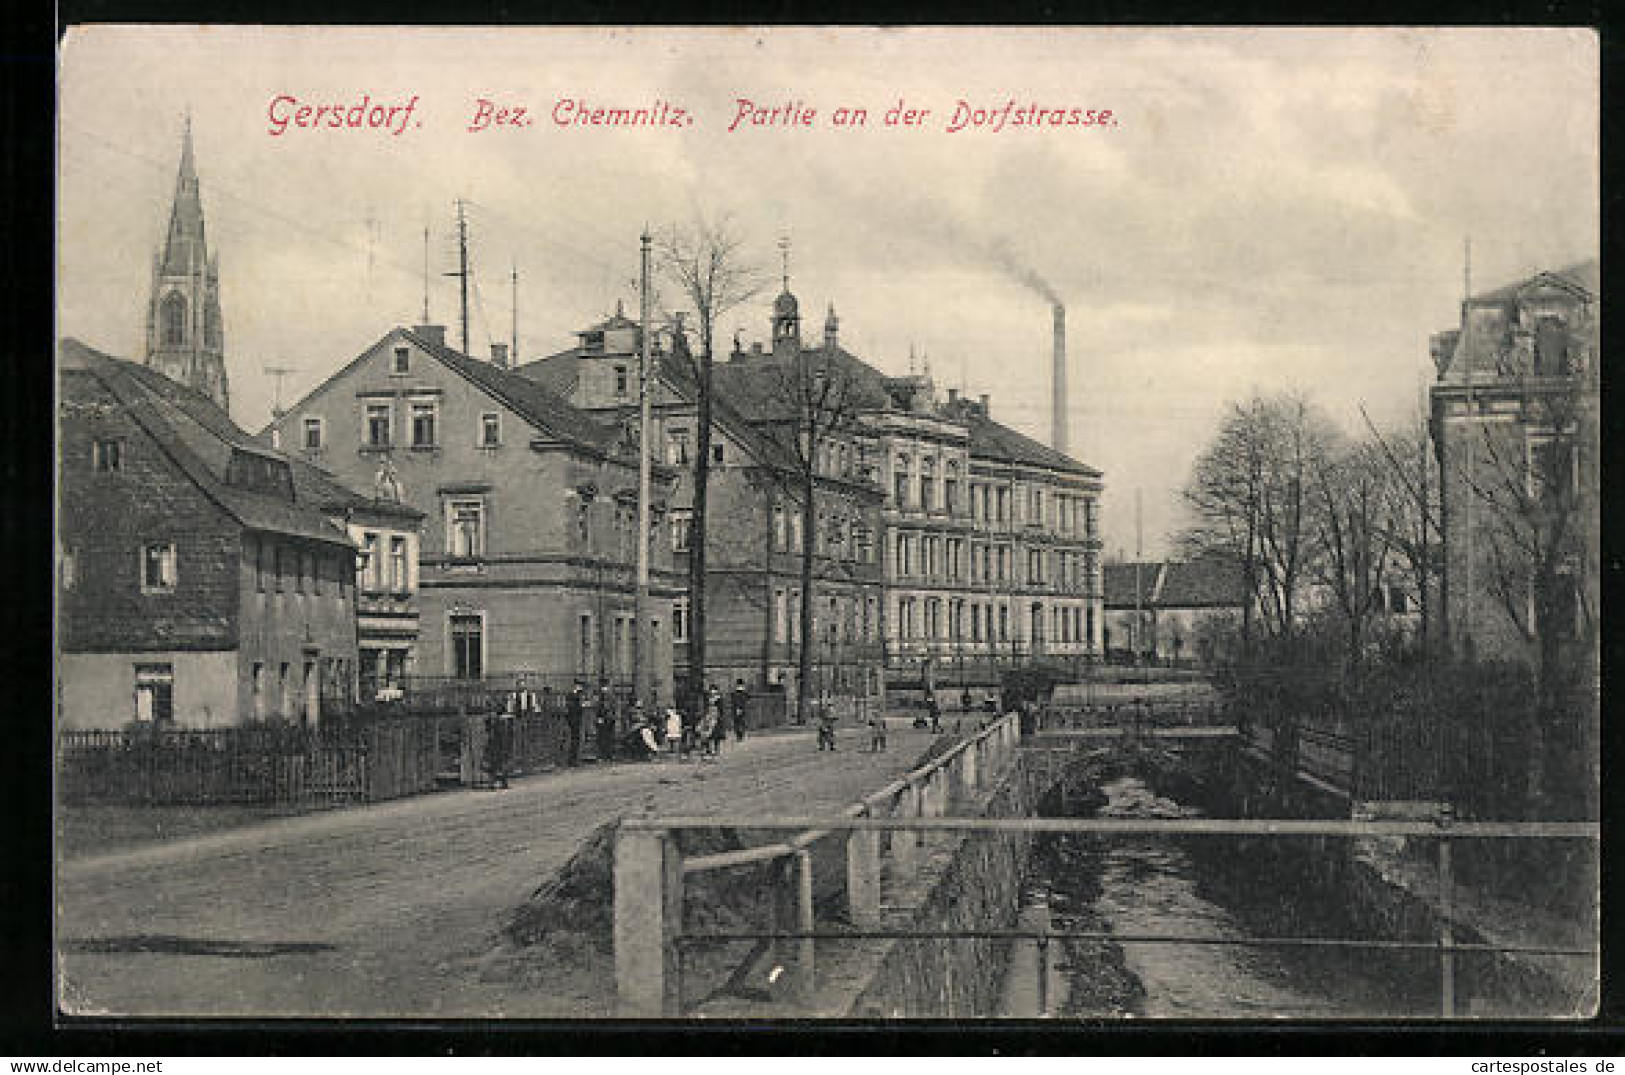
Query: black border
point(28, 1026)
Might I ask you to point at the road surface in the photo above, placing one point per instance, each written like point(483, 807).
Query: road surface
point(394, 909)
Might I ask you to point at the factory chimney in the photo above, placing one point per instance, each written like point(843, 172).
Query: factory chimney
point(1058, 395)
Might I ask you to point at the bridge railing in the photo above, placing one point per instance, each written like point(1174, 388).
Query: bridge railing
point(651, 870)
point(650, 938)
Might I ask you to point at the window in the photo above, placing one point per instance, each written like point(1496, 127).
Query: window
point(584, 643)
point(900, 483)
point(1397, 600)
point(1552, 466)
point(679, 620)
point(490, 430)
point(377, 431)
point(155, 693)
point(107, 455)
point(423, 418)
point(677, 447)
point(397, 565)
point(716, 454)
point(781, 617)
point(307, 570)
point(370, 569)
point(465, 529)
point(172, 318)
point(158, 568)
point(68, 565)
point(1002, 505)
point(781, 529)
point(467, 645)
point(313, 433)
point(620, 382)
point(402, 360)
point(950, 489)
point(1004, 623)
point(681, 520)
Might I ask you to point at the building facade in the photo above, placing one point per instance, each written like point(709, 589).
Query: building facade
point(185, 337)
point(197, 587)
point(1514, 422)
point(526, 557)
point(988, 541)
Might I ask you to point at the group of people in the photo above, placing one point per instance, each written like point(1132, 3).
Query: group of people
point(697, 730)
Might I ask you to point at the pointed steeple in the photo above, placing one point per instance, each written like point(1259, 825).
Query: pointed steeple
point(185, 340)
point(185, 240)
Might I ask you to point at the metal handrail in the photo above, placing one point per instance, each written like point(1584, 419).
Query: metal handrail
point(1568, 830)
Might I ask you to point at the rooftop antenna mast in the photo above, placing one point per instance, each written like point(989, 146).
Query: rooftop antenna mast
point(461, 272)
point(425, 274)
point(277, 373)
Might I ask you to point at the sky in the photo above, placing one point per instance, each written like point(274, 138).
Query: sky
point(1266, 210)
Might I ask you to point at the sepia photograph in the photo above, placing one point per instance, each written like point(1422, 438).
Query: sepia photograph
point(853, 524)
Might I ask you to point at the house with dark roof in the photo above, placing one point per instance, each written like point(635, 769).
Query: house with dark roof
point(202, 579)
point(526, 555)
point(1172, 611)
point(1514, 420)
point(985, 542)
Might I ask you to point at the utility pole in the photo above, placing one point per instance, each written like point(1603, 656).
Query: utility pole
point(513, 343)
point(277, 373)
point(641, 650)
point(462, 267)
point(1135, 636)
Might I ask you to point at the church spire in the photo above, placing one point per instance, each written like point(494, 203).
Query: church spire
point(184, 335)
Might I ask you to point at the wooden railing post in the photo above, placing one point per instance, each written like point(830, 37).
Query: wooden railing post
point(1447, 940)
point(863, 878)
point(648, 913)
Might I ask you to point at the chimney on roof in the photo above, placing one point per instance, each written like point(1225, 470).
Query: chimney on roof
point(953, 395)
point(435, 334)
point(1058, 437)
point(756, 348)
point(985, 405)
point(499, 355)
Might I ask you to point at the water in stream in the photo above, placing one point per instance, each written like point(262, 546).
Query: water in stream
point(1147, 885)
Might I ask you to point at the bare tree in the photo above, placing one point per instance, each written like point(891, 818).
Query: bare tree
point(1413, 517)
point(706, 263)
point(1250, 492)
point(822, 393)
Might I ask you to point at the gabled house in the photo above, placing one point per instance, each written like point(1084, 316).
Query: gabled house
point(1172, 611)
point(528, 547)
point(200, 584)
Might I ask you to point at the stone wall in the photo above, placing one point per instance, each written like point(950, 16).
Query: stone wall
point(978, 888)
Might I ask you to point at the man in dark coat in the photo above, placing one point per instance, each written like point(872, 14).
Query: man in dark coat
point(573, 707)
point(741, 699)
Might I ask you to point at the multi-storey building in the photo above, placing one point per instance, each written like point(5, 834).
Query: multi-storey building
point(527, 556)
point(755, 493)
point(989, 541)
point(1515, 426)
point(201, 584)
point(386, 533)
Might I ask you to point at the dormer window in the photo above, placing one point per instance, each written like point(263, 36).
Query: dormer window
point(107, 455)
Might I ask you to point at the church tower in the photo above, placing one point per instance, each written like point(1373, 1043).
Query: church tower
point(786, 314)
point(184, 338)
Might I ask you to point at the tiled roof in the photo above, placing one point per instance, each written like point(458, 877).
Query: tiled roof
point(313, 485)
point(994, 440)
point(533, 401)
point(1586, 275)
point(1210, 582)
point(1119, 581)
point(1206, 582)
point(201, 439)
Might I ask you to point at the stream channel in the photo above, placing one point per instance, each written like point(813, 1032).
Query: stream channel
point(1213, 888)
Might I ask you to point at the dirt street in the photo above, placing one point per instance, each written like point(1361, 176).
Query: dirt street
point(387, 910)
